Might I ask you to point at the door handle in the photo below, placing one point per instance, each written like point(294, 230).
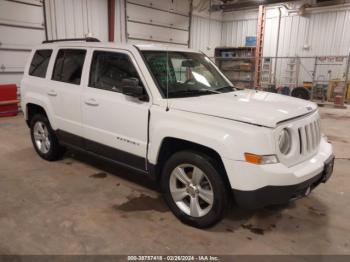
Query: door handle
point(52, 93)
point(91, 102)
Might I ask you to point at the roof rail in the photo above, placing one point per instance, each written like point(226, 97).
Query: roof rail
point(86, 39)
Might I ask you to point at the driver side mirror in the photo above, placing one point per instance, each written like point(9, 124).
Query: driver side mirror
point(131, 87)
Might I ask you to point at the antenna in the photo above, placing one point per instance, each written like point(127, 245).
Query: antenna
point(167, 79)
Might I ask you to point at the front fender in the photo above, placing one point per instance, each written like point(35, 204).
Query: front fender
point(229, 138)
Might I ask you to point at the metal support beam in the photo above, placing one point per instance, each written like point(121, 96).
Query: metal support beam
point(259, 45)
point(239, 5)
point(45, 23)
point(111, 20)
point(346, 78)
point(314, 79)
point(190, 24)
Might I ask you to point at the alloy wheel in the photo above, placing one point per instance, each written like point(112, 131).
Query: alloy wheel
point(41, 137)
point(191, 190)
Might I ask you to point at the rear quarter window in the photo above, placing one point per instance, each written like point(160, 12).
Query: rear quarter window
point(40, 62)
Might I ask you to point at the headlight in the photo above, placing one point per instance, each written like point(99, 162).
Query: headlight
point(285, 141)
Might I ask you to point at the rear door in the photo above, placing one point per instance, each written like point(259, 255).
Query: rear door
point(65, 92)
point(115, 125)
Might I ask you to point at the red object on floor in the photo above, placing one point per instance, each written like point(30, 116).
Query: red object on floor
point(8, 100)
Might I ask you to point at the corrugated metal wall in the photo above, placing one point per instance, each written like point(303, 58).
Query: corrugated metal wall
point(205, 34)
point(236, 26)
point(235, 32)
point(320, 32)
point(77, 18)
point(326, 32)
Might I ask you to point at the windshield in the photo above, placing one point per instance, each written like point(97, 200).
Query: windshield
point(185, 74)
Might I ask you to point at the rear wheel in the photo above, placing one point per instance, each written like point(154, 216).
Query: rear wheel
point(44, 139)
point(194, 190)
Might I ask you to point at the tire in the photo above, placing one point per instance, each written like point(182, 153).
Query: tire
point(41, 130)
point(203, 214)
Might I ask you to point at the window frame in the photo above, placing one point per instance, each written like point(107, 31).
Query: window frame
point(132, 61)
point(83, 65)
point(48, 64)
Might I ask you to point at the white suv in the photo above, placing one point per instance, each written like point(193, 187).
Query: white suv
point(170, 114)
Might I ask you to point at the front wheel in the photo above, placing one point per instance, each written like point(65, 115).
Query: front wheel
point(194, 189)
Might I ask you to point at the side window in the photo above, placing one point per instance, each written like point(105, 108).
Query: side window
point(40, 61)
point(69, 65)
point(108, 69)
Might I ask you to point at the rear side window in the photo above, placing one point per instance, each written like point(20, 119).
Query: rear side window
point(69, 65)
point(40, 61)
point(108, 69)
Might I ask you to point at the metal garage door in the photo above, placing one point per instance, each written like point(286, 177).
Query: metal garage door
point(158, 21)
point(21, 28)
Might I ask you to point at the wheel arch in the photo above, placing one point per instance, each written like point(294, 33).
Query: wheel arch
point(32, 110)
point(171, 145)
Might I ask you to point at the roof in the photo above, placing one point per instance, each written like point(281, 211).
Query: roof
point(112, 45)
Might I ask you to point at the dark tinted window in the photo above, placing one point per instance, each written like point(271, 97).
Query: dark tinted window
point(108, 69)
point(69, 65)
point(40, 61)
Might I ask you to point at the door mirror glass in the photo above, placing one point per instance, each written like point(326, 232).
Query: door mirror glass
point(131, 87)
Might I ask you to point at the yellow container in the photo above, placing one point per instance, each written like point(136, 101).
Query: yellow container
point(307, 85)
point(335, 87)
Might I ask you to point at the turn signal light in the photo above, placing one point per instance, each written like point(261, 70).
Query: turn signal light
point(260, 159)
point(254, 159)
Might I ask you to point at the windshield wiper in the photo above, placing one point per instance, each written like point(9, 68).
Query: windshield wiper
point(226, 88)
point(209, 91)
point(195, 92)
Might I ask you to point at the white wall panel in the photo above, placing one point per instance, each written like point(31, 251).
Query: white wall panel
point(21, 14)
point(77, 18)
point(21, 28)
point(140, 14)
point(20, 38)
point(13, 61)
point(177, 6)
point(157, 34)
point(159, 21)
point(235, 32)
point(205, 34)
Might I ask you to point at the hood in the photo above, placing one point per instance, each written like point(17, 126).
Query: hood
point(250, 106)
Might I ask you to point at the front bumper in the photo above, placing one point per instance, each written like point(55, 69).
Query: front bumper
point(273, 195)
point(255, 186)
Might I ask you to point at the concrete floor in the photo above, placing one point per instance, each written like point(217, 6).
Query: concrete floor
point(82, 206)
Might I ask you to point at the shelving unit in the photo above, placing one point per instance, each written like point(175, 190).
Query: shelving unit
point(238, 64)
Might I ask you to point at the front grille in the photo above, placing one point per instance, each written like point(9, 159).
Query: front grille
point(309, 137)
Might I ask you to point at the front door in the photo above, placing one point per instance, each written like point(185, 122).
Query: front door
point(115, 125)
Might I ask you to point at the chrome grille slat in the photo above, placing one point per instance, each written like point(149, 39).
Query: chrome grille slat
point(313, 136)
point(309, 137)
point(316, 132)
point(302, 140)
point(308, 142)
